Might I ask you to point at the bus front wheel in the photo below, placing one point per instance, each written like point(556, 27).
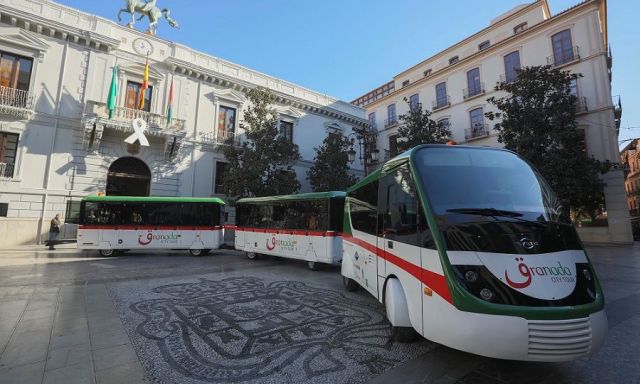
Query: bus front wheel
point(349, 284)
point(313, 265)
point(107, 252)
point(197, 252)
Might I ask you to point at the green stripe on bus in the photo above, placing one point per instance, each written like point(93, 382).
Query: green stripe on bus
point(153, 199)
point(300, 196)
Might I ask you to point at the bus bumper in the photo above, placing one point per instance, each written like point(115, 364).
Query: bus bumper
point(516, 338)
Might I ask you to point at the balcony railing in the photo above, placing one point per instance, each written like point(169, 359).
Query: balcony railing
point(472, 92)
point(6, 170)
point(16, 102)
point(123, 116)
point(503, 78)
point(390, 122)
point(442, 103)
point(220, 137)
point(581, 105)
point(477, 131)
point(564, 57)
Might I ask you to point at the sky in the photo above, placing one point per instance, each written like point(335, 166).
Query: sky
point(345, 48)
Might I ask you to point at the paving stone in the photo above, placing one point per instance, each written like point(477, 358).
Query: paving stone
point(81, 373)
point(70, 338)
point(114, 356)
point(24, 374)
point(25, 349)
point(128, 373)
point(38, 314)
point(34, 325)
point(114, 338)
point(71, 324)
point(64, 357)
point(106, 324)
point(41, 304)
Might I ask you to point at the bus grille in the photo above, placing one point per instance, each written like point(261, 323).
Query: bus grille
point(559, 339)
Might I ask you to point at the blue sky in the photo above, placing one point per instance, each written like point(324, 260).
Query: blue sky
point(347, 47)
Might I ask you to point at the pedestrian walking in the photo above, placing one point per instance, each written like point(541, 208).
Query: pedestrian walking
point(54, 230)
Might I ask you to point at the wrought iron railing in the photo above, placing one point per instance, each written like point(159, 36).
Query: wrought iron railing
point(503, 78)
point(126, 115)
point(476, 131)
point(390, 122)
point(581, 105)
point(6, 170)
point(220, 137)
point(565, 56)
point(473, 91)
point(441, 103)
point(15, 101)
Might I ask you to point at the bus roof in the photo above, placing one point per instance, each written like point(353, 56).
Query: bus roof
point(300, 196)
point(154, 199)
point(405, 156)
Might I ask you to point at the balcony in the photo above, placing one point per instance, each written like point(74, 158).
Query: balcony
point(581, 105)
point(16, 102)
point(220, 138)
point(565, 57)
point(441, 104)
point(503, 78)
point(390, 122)
point(122, 117)
point(6, 171)
point(478, 131)
point(469, 93)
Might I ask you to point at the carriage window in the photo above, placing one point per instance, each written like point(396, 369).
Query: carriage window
point(363, 208)
point(399, 207)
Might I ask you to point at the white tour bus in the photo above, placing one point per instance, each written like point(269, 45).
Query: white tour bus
point(470, 248)
point(120, 223)
point(305, 227)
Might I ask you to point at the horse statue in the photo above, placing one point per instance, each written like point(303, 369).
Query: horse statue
point(147, 9)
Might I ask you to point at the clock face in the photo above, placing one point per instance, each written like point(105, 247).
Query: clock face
point(142, 46)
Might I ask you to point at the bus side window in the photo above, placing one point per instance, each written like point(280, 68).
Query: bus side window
point(363, 208)
point(400, 206)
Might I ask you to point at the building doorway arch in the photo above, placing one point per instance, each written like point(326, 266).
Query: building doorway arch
point(128, 176)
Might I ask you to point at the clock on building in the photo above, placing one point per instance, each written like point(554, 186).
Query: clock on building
point(142, 46)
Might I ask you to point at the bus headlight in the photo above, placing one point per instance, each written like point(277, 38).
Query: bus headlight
point(471, 276)
point(487, 294)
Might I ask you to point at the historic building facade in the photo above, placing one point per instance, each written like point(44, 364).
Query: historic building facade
point(456, 83)
point(58, 142)
point(630, 159)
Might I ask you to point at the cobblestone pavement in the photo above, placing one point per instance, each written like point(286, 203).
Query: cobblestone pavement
point(72, 317)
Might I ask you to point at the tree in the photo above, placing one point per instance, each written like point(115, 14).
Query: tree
point(263, 165)
point(330, 171)
point(538, 121)
point(417, 127)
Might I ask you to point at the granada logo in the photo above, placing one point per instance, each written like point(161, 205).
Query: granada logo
point(527, 273)
point(146, 240)
point(271, 246)
point(289, 245)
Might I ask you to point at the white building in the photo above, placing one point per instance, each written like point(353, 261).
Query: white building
point(456, 82)
point(57, 143)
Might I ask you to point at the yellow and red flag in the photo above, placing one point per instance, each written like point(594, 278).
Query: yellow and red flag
point(145, 85)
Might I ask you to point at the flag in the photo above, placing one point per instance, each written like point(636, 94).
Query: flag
point(145, 85)
point(113, 92)
point(170, 104)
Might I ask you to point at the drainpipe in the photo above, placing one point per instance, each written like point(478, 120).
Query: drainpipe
point(53, 143)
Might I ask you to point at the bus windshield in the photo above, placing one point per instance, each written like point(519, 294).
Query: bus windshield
point(498, 184)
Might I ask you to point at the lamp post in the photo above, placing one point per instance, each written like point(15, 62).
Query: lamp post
point(369, 154)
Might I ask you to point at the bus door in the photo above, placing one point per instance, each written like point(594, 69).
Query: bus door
point(362, 250)
point(398, 214)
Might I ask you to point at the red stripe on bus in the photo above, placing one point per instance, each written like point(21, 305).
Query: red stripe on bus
point(429, 278)
point(150, 228)
point(289, 232)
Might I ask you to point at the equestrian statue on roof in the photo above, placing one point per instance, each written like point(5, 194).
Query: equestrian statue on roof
point(149, 9)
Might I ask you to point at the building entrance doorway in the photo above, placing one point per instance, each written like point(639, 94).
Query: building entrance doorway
point(128, 176)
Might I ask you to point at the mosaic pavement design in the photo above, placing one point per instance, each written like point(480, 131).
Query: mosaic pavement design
point(244, 329)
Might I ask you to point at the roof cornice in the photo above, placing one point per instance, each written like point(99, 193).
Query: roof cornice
point(214, 77)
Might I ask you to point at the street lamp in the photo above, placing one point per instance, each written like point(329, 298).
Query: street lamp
point(352, 154)
point(366, 143)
